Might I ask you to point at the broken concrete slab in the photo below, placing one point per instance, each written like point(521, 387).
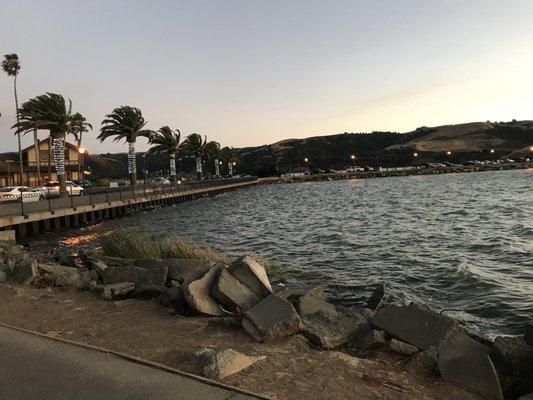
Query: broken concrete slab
point(3, 277)
point(148, 290)
point(231, 293)
point(376, 297)
point(466, 363)
point(117, 291)
point(223, 363)
point(292, 293)
point(414, 324)
point(148, 263)
point(374, 340)
point(137, 275)
point(252, 275)
point(198, 293)
point(181, 269)
point(169, 296)
point(272, 318)
point(59, 275)
point(528, 333)
point(308, 304)
point(402, 348)
point(24, 269)
point(331, 330)
point(424, 363)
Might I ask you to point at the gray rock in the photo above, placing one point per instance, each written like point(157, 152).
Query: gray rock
point(170, 295)
point(66, 260)
point(466, 363)
point(252, 275)
point(424, 363)
point(137, 275)
point(293, 293)
point(528, 333)
point(376, 297)
point(181, 269)
point(59, 275)
point(399, 347)
point(148, 290)
point(513, 358)
point(272, 318)
point(223, 363)
point(3, 277)
point(309, 304)
point(198, 294)
point(115, 261)
point(148, 263)
point(24, 270)
point(374, 340)
point(330, 331)
point(232, 293)
point(414, 324)
point(117, 291)
point(5, 268)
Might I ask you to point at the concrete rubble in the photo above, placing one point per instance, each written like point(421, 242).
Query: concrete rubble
point(223, 363)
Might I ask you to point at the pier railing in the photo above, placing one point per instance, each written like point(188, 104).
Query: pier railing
point(34, 201)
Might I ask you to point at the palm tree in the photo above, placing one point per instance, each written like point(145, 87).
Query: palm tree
point(50, 112)
point(78, 127)
point(127, 123)
point(196, 146)
point(166, 140)
point(11, 65)
point(227, 156)
point(213, 153)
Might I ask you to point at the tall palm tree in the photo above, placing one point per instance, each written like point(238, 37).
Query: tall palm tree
point(127, 123)
point(196, 146)
point(78, 127)
point(213, 153)
point(166, 140)
point(227, 156)
point(49, 112)
point(11, 65)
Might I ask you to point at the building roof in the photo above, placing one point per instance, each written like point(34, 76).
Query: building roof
point(67, 144)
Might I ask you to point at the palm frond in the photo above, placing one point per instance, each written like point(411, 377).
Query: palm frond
point(124, 122)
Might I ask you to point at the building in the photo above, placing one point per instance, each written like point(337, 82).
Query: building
point(9, 169)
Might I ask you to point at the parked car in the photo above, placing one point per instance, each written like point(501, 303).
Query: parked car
point(160, 181)
point(15, 193)
point(84, 183)
point(51, 189)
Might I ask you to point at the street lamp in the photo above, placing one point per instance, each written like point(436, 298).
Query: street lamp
point(448, 153)
point(492, 151)
point(415, 154)
point(531, 148)
point(306, 159)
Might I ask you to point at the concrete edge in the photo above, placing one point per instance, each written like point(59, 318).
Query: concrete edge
point(137, 360)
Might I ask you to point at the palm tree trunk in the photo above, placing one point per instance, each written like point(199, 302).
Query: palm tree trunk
point(18, 135)
point(198, 168)
point(50, 158)
point(37, 156)
point(59, 160)
point(80, 155)
point(172, 167)
point(132, 165)
point(217, 168)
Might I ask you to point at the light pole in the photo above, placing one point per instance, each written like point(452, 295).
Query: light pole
point(81, 161)
point(352, 157)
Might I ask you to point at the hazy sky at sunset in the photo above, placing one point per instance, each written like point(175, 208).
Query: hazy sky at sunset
point(253, 72)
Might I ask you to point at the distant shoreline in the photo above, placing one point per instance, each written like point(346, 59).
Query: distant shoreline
point(400, 172)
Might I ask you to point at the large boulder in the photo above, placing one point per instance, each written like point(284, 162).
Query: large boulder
point(513, 358)
point(466, 362)
point(424, 363)
point(170, 295)
point(376, 297)
point(293, 293)
point(181, 269)
point(414, 324)
point(117, 291)
point(252, 275)
point(373, 340)
point(401, 348)
point(309, 304)
point(198, 293)
point(330, 330)
point(59, 275)
point(137, 275)
point(272, 318)
point(24, 269)
point(232, 293)
point(223, 363)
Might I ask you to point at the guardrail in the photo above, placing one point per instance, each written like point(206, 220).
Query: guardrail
point(34, 202)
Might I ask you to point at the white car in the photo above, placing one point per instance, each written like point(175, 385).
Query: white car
point(160, 181)
point(52, 189)
point(15, 193)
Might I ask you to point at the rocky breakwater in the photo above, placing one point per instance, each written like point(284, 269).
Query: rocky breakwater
point(430, 343)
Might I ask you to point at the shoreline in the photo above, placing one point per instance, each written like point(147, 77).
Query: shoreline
point(318, 335)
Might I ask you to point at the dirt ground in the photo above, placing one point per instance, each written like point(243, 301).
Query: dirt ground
point(292, 369)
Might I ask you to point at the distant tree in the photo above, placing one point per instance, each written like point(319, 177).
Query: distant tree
point(78, 127)
point(166, 140)
point(49, 112)
point(227, 157)
point(212, 150)
point(11, 66)
point(196, 146)
point(126, 123)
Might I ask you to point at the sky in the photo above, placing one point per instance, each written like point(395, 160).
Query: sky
point(249, 72)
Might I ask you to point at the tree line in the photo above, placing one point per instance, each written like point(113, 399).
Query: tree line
point(51, 112)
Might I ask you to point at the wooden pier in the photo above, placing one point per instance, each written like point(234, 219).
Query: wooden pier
point(63, 213)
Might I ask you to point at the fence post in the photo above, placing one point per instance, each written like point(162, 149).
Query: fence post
point(120, 191)
point(49, 204)
point(133, 191)
point(107, 195)
point(71, 200)
point(90, 199)
point(21, 203)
